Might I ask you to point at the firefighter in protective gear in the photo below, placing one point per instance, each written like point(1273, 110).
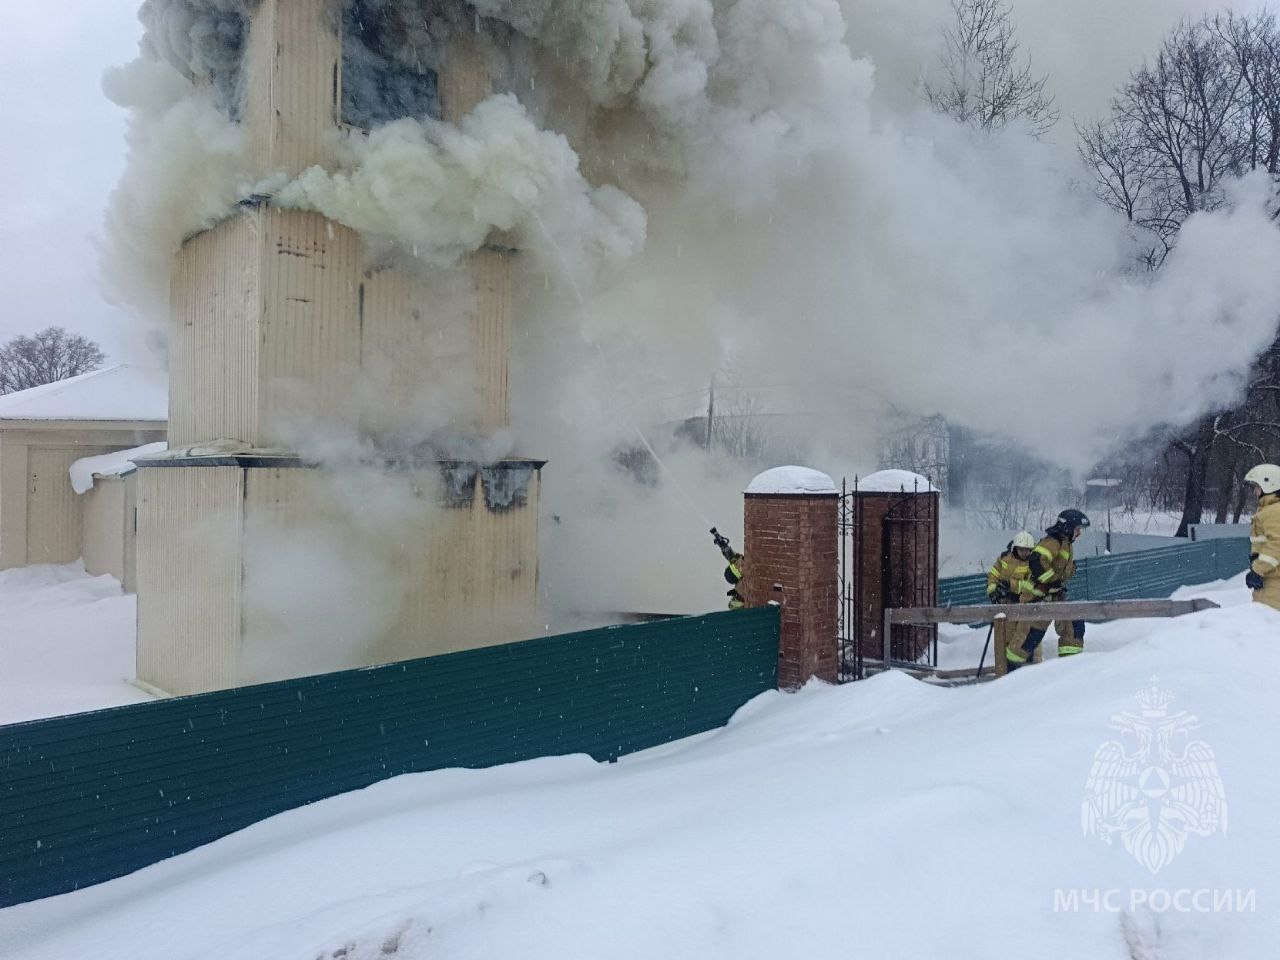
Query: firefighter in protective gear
point(1052, 567)
point(1263, 577)
point(1006, 579)
point(733, 572)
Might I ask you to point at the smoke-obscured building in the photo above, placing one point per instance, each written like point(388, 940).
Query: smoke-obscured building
point(300, 521)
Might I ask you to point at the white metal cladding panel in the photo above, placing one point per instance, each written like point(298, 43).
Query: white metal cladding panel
point(395, 346)
point(130, 580)
point(292, 85)
point(473, 582)
point(490, 312)
point(310, 354)
point(54, 509)
point(431, 611)
point(414, 347)
point(464, 81)
point(301, 567)
point(338, 571)
point(189, 577)
point(213, 350)
point(104, 527)
point(512, 536)
point(330, 558)
point(284, 576)
point(13, 501)
point(84, 434)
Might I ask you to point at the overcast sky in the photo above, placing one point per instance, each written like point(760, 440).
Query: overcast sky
point(61, 151)
point(62, 142)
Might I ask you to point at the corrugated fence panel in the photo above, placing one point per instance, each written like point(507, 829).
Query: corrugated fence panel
point(89, 797)
point(962, 591)
point(1142, 575)
point(1232, 556)
point(1149, 574)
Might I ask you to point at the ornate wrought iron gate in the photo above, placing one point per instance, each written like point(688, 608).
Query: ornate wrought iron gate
point(888, 558)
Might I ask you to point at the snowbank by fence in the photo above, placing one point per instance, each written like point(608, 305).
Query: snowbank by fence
point(92, 796)
point(1142, 575)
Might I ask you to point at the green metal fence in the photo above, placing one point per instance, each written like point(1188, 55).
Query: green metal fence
point(1141, 575)
point(92, 796)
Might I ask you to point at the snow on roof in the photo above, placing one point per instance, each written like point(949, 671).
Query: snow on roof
point(895, 481)
point(793, 481)
point(121, 392)
point(113, 464)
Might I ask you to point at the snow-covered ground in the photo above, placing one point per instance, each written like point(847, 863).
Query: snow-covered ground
point(1161, 522)
point(886, 819)
point(66, 643)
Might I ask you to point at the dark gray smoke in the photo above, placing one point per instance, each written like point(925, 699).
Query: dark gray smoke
point(203, 39)
point(391, 56)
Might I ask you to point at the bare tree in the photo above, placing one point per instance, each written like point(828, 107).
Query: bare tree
point(1253, 45)
point(737, 428)
point(921, 446)
point(1197, 447)
point(986, 83)
point(1205, 110)
point(46, 357)
point(1114, 150)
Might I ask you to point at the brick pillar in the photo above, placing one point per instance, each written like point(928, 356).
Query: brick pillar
point(791, 516)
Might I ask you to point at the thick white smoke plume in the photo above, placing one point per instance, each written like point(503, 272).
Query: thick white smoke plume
point(185, 173)
point(929, 264)
point(440, 189)
point(804, 218)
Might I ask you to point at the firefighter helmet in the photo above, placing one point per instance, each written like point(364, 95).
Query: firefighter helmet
point(1024, 540)
point(1071, 519)
point(1266, 476)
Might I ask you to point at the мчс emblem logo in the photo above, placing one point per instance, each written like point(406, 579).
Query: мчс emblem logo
point(1154, 786)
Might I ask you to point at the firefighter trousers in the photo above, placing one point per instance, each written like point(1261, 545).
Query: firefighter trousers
point(1025, 642)
point(1006, 633)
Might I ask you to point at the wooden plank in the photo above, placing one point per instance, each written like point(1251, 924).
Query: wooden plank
point(1068, 610)
point(1095, 610)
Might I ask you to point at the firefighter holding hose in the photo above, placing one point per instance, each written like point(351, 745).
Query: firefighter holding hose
point(733, 571)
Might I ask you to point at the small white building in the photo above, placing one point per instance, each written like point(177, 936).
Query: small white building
point(43, 431)
point(109, 490)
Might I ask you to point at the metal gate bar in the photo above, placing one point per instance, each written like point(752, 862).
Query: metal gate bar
point(908, 533)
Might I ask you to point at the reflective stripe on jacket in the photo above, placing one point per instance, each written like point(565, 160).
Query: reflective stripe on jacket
point(1264, 549)
point(733, 572)
point(1052, 565)
point(1009, 572)
point(1264, 536)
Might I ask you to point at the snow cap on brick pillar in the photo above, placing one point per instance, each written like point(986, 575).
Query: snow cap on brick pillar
point(791, 516)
